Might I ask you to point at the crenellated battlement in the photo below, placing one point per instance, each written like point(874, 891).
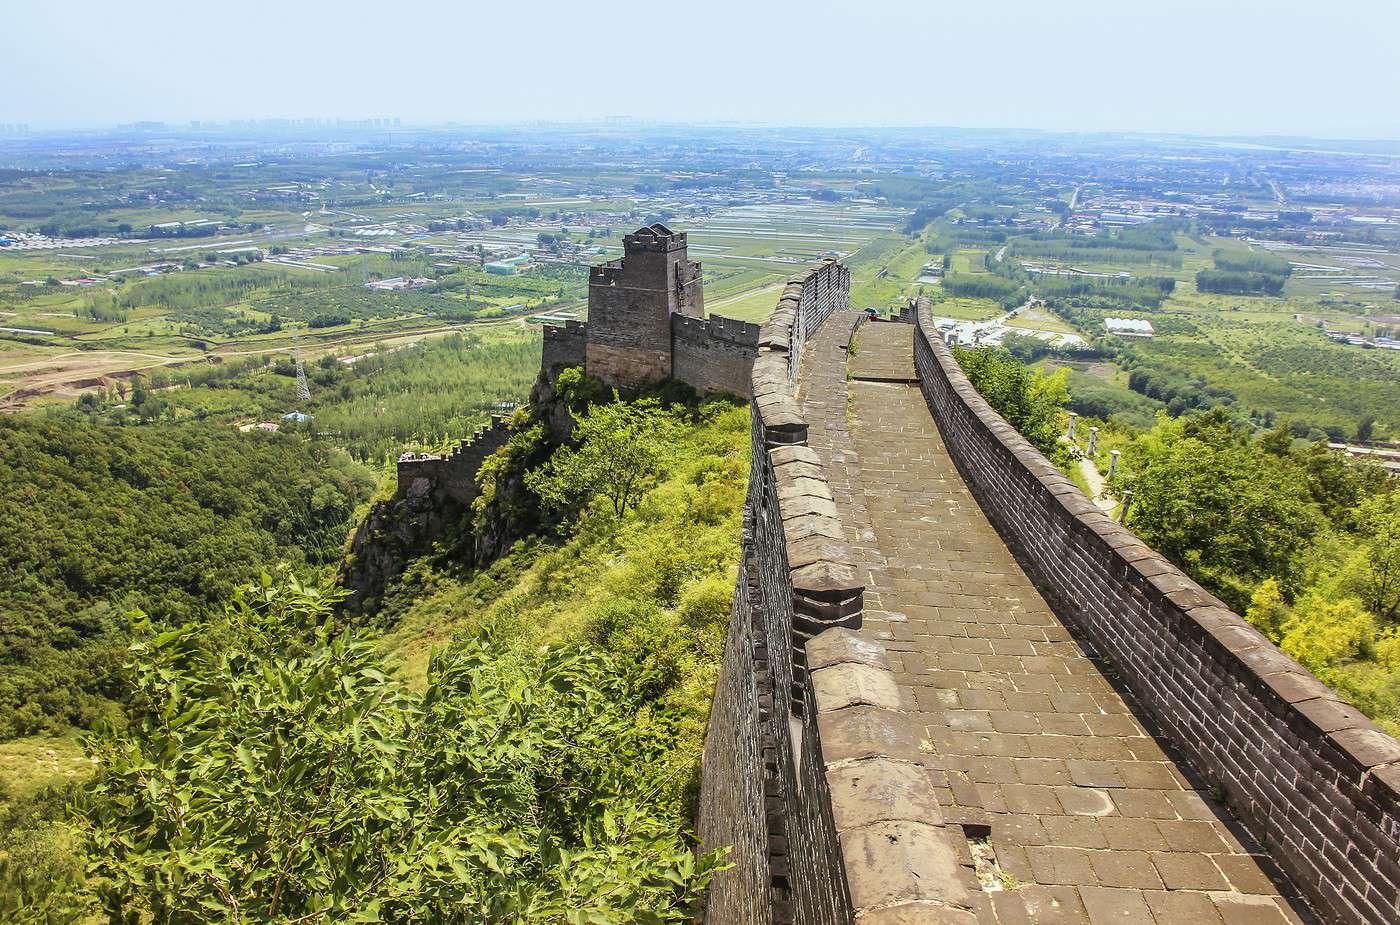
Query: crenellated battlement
point(565, 345)
point(606, 273)
point(631, 303)
point(454, 473)
point(718, 327)
point(656, 238)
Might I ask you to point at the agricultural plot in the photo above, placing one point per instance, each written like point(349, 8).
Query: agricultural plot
point(750, 251)
point(1271, 357)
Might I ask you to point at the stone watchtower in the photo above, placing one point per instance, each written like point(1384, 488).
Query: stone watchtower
point(630, 306)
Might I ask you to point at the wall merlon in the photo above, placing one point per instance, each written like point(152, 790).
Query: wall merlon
point(826, 580)
point(795, 454)
point(917, 913)
point(882, 789)
point(796, 529)
point(893, 863)
point(455, 473)
point(815, 548)
point(808, 505)
point(607, 273)
point(844, 685)
point(853, 832)
point(865, 731)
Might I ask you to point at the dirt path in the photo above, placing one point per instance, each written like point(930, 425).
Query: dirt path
point(1098, 486)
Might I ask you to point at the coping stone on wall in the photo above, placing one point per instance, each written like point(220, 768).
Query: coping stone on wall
point(897, 854)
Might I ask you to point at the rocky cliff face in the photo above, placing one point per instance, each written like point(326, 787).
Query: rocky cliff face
point(430, 516)
point(394, 533)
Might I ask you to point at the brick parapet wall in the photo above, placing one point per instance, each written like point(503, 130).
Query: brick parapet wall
point(455, 472)
point(734, 785)
point(564, 346)
point(808, 299)
point(850, 829)
point(713, 354)
point(1311, 778)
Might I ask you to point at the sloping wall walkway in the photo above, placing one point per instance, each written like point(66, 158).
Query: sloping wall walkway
point(1091, 818)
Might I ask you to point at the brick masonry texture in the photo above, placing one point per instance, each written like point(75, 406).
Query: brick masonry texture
point(631, 303)
point(455, 472)
point(713, 354)
point(845, 826)
point(1076, 811)
point(1310, 779)
point(564, 346)
point(646, 323)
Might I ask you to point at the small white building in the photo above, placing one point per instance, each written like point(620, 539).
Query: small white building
point(1129, 327)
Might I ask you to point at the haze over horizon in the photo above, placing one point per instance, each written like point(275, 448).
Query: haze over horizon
point(1187, 66)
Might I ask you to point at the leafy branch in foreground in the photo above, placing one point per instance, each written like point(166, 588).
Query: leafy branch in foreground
point(272, 772)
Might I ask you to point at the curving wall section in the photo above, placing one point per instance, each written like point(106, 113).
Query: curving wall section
point(811, 767)
point(1313, 780)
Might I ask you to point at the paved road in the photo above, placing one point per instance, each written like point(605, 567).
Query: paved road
point(1091, 819)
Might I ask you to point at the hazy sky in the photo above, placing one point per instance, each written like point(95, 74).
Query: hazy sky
point(1307, 67)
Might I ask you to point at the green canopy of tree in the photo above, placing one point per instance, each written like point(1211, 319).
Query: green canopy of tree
point(1219, 504)
point(618, 453)
point(1028, 399)
point(98, 520)
point(274, 772)
point(1301, 540)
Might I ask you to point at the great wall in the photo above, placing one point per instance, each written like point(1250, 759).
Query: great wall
point(953, 690)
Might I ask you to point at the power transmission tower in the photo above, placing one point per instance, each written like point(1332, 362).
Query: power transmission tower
point(303, 390)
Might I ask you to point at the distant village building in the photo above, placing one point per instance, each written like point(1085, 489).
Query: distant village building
point(507, 267)
point(1128, 327)
point(1387, 456)
point(395, 283)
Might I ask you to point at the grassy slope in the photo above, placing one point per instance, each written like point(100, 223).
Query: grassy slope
point(29, 765)
point(677, 551)
point(653, 589)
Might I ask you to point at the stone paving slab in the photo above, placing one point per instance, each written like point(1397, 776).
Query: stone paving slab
point(1091, 819)
point(884, 352)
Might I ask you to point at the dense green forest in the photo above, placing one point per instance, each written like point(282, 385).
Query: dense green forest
point(1230, 282)
point(1149, 243)
point(389, 398)
point(1245, 273)
point(522, 745)
point(1295, 536)
point(101, 520)
point(1030, 400)
point(1009, 284)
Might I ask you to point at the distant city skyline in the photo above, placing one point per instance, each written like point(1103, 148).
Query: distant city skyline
point(1192, 67)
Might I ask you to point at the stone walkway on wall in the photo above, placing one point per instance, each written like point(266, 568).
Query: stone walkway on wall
point(1090, 819)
